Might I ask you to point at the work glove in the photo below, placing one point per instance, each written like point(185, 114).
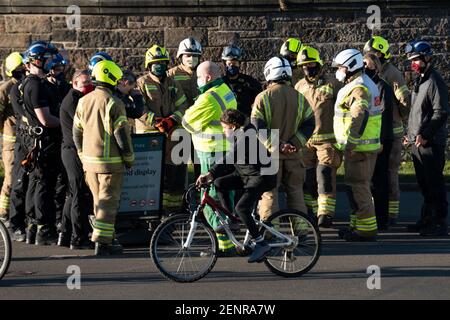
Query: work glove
point(166, 125)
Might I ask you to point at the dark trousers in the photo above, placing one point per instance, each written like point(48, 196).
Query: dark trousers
point(40, 199)
point(79, 201)
point(380, 184)
point(247, 201)
point(429, 164)
point(61, 189)
point(19, 185)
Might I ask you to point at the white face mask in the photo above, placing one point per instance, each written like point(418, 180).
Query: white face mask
point(200, 82)
point(340, 76)
point(191, 62)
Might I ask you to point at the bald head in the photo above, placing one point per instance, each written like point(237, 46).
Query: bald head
point(208, 71)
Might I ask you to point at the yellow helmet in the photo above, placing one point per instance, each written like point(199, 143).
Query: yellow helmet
point(291, 45)
point(12, 62)
point(379, 44)
point(107, 72)
point(156, 53)
point(308, 54)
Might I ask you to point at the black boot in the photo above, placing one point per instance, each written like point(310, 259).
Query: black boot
point(31, 233)
point(45, 236)
point(325, 221)
point(63, 240)
point(108, 249)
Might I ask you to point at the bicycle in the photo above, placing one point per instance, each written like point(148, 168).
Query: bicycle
point(5, 249)
point(184, 247)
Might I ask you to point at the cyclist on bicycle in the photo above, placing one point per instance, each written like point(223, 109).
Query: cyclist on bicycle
point(241, 170)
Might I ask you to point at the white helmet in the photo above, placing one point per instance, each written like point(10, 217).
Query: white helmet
point(189, 46)
point(350, 58)
point(277, 68)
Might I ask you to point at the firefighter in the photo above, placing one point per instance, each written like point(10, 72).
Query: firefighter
point(74, 226)
point(39, 103)
point(202, 121)
point(380, 179)
point(97, 57)
point(281, 107)
point(14, 69)
point(321, 158)
point(245, 87)
point(357, 126)
point(289, 50)
point(165, 103)
point(427, 133)
point(395, 78)
point(188, 54)
point(19, 184)
point(101, 134)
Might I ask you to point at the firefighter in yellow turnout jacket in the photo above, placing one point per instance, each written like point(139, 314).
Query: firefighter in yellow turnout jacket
point(357, 126)
point(15, 70)
point(101, 134)
point(321, 157)
point(281, 107)
point(165, 103)
point(202, 121)
point(402, 105)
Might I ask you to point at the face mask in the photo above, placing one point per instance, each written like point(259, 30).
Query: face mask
point(416, 67)
point(311, 72)
point(340, 76)
point(191, 62)
point(60, 76)
point(89, 88)
point(232, 70)
point(159, 70)
point(200, 82)
point(370, 73)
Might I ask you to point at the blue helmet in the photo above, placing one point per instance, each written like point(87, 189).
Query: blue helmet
point(418, 49)
point(57, 60)
point(97, 57)
point(40, 51)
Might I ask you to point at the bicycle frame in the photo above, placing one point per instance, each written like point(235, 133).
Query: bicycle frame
point(217, 208)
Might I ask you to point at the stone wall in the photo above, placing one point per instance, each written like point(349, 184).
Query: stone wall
point(259, 27)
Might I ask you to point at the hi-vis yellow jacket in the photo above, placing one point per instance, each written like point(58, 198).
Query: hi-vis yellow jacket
point(101, 132)
point(202, 120)
point(357, 115)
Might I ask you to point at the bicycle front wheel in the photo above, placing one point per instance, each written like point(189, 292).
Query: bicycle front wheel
point(176, 262)
point(5, 250)
point(302, 255)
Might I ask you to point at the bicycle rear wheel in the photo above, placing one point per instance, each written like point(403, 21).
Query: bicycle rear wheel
point(5, 250)
point(178, 263)
point(299, 258)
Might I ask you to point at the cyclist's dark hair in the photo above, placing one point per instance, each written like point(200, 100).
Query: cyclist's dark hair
point(129, 76)
point(233, 117)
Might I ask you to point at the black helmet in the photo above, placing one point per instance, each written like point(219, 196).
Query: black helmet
point(232, 53)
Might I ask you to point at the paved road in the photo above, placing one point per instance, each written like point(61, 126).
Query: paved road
point(411, 268)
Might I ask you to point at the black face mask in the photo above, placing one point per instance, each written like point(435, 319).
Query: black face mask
point(371, 73)
point(311, 72)
point(232, 70)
